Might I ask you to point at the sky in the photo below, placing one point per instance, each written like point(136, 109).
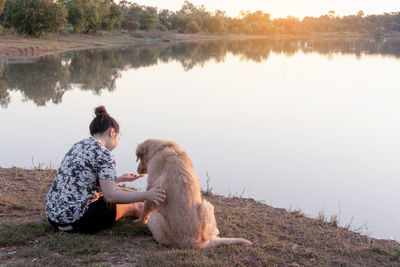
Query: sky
point(284, 8)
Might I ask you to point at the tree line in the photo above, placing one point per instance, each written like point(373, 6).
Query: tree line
point(35, 17)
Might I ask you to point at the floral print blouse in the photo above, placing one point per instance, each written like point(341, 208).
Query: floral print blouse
point(76, 183)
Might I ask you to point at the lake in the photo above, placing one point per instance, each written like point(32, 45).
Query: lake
point(310, 125)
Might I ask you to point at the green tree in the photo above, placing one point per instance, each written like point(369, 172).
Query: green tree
point(89, 16)
point(35, 17)
point(188, 13)
point(192, 27)
point(148, 18)
point(215, 24)
point(257, 23)
point(128, 22)
point(164, 17)
point(113, 17)
point(136, 16)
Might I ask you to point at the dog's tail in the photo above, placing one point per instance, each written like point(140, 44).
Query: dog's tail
point(219, 241)
point(211, 231)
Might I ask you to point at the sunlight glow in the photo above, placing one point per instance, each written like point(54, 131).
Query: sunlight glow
point(284, 8)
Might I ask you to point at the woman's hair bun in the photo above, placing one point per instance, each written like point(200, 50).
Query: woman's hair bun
point(100, 111)
point(102, 121)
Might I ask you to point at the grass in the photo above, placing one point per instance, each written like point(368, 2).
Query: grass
point(21, 234)
point(22, 192)
point(280, 237)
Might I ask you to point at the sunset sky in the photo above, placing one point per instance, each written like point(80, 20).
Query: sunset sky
point(283, 8)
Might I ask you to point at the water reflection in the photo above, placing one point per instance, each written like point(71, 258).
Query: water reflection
point(48, 78)
point(44, 80)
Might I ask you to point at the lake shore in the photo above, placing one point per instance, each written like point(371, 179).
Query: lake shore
point(20, 46)
point(14, 46)
point(280, 237)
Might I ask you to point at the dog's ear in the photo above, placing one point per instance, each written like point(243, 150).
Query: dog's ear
point(141, 150)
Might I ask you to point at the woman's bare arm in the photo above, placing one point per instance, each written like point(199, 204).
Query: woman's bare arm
point(113, 194)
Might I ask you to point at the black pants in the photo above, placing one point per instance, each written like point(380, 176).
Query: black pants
point(100, 215)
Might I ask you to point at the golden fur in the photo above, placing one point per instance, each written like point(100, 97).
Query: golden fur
point(185, 219)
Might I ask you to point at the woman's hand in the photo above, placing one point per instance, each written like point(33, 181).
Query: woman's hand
point(156, 195)
point(129, 177)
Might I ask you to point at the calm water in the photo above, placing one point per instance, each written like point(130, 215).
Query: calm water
point(300, 124)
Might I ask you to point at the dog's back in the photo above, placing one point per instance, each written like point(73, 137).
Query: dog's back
point(190, 218)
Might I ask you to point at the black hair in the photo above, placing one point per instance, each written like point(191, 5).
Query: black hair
point(102, 122)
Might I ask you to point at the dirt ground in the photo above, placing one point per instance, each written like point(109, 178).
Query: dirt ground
point(280, 237)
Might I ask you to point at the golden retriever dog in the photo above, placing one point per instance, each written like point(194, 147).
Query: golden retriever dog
point(184, 219)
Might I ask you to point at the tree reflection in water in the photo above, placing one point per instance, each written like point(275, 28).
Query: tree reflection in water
point(49, 77)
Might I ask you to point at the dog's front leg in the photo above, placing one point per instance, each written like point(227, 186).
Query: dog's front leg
point(147, 211)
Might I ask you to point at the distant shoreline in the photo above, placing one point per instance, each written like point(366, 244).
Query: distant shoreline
point(15, 46)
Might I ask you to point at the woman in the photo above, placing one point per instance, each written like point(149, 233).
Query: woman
point(74, 202)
